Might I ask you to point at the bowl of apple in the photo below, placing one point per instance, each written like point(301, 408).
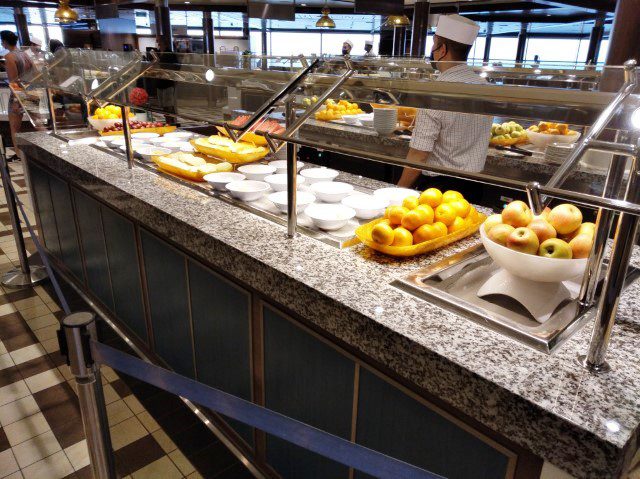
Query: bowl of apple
point(551, 247)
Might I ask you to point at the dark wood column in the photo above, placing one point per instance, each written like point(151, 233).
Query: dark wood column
point(164, 35)
point(419, 28)
point(209, 37)
point(595, 40)
point(624, 41)
point(487, 43)
point(264, 37)
point(522, 43)
point(21, 25)
point(399, 41)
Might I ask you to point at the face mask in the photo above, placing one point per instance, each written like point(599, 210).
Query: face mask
point(345, 51)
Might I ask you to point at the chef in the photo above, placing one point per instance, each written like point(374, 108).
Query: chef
point(368, 49)
point(347, 46)
point(450, 139)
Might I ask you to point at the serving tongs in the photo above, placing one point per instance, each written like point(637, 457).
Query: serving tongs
point(514, 149)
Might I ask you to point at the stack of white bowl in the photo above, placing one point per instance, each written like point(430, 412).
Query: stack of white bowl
point(385, 120)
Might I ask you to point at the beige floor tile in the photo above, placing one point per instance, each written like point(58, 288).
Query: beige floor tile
point(109, 374)
point(117, 412)
point(51, 345)
point(163, 467)
point(8, 463)
point(55, 466)
point(78, 454)
point(27, 303)
point(134, 404)
point(182, 462)
point(53, 307)
point(74, 386)
point(7, 308)
point(46, 333)
point(66, 372)
point(195, 475)
point(5, 361)
point(164, 441)
point(148, 422)
point(13, 392)
point(26, 428)
point(36, 448)
point(3, 348)
point(35, 312)
point(27, 353)
point(40, 291)
point(12, 412)
point(15, 475)
point(44, 380)
point(42, 322)
point(110, 394)
point(126, 432)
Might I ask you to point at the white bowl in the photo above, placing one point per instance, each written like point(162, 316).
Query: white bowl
point(257, 172)
point(314, 175)
point(303, 198)
point(331, 191)
point(366, 122)
point(542, 140)
point(395, 196)
point(186, 148)
point(119, 142)
point(220, 180)
point(178, 135)
point(175, 145)
point(247, 190)
point(102, 124)
point(281, 165)
point(144, 135)
point(366, 206)
point(161, 139)
point(532, 267)
point(147, 152)
point(329, 217)
point(279, 182)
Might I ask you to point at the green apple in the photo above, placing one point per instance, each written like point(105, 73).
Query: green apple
point(555, 248)
point(523, 240)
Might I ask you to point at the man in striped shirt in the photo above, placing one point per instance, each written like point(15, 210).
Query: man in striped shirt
point(450, 139)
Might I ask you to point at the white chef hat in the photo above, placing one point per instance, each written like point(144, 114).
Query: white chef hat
point(35, 40)
point(457, 28)
point(368, 42)
point(349, 42)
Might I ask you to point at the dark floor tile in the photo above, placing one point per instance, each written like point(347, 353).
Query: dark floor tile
point(9, 376)
point(68, 432)
point(57, 358)
point(35, 366)
point(22, 183)
point(194, 439)
point(20, 341)
point(4, 442)
point(55, 396)
point(213, 460)
point(11, 325)
point(163, 404)
point(84, 473)
point(139, 454)
point(17, 295)
point(235, 472)
point(121, 388)
point(176, 421)
point(5, 218)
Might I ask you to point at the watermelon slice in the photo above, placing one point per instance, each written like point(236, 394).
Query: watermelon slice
point(268, 126)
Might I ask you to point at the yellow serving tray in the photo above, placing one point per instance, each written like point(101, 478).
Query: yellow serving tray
point(231, 157)
point(248, 136)
point(161, 130)
point(363, 233)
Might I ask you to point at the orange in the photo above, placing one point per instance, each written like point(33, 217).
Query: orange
point(402, 237)
point(451, 195)
point(445, 213)
point(457, 225)
point(410, 202)
point(382, 233)
point(428, 210)
point(473, 214)
point(414, 219)
point(462, 207)
point(431, 197)
point(426, 233)
point(395, 214)
point(441, 228)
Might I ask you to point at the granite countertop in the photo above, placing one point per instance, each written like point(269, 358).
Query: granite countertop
point(549, 404)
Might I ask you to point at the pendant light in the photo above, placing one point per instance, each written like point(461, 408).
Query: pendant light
point(65, 14)
point(325, 20)
point(397, 21)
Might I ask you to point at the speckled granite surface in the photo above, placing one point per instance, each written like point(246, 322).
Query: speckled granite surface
point(584, 424)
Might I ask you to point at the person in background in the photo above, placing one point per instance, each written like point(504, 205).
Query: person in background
point(55, 45)
point(17, 63)
point(449, 139)
point(35, 47)
point(347, 46)
point(368, 49)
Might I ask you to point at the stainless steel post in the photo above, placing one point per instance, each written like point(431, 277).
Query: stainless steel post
point(623, 245)
point(79, 328)
point(24, 276)
point(52, 111)
point(292, 173)
point(127, 136)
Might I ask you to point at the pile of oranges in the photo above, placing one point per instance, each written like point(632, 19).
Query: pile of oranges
point(431, 215)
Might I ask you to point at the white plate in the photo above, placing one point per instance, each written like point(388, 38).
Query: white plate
point(220, 180)
point(329, 217)
point(144, 135)
point(331, 191)
point(178, 135)
point(279, 199)
point(395, 196)
point(366, 207)
point(247, 190)
point(147, 152)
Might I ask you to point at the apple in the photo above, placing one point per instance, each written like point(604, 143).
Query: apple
point(555, 248)
point(544, 214)
point(581, 245)
point(492, 221)
point(585, 228)
point(499, 233)
point(542, 228)
point(565, 218)
point(523, 240)
point(517, 214)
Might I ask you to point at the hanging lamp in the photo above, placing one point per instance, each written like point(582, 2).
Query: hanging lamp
point(397, 21)
point(325, 21)
point(65, 14)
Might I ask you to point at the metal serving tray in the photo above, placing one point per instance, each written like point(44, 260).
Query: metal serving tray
point(453, 283)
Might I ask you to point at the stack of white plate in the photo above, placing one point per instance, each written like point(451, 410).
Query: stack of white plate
point(385, 120)
point(557, 153)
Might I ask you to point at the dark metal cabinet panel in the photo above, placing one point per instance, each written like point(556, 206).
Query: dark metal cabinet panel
point(391, 422)
point(125, 273)
point(93, 247)
point(221, 330)
point(166, 275)
point(308, 380)
point(42, 194)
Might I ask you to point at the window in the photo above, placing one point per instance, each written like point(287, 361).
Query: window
point(293, 43)
point(477, 50)
point(227, 24)
point(604, 49)
point(504, 49)
point(557, 50)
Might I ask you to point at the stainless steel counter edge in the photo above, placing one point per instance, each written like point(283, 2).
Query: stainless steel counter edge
point(582, 423)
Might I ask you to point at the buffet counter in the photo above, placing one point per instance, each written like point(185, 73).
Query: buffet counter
point(319, 333)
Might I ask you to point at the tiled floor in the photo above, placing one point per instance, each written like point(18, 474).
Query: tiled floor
point(153, 433)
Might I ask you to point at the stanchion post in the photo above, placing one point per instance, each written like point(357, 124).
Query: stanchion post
point(79, 329)
point(292, 174)
point(25, 275)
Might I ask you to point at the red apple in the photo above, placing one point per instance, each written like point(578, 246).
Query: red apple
point(542, 228)
point(517, 214)
point(523, 240)
point(581, 245)
point(565, 218)
point(499, 233)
